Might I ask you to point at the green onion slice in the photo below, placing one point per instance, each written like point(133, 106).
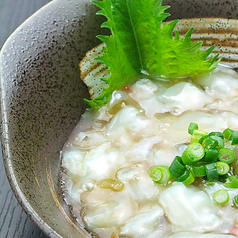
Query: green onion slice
point(226, 155)
point(161, 174)
point(234, 140)
point(187, 178)
point(212, 173)
point(193, 153)
point(177, 168)
point(216, 133)
point(202, 139)
point(235, 201)
point(205, 157)
point(192, 127)
point(211, 155)
point(219, 140)
point(210, 143)
point(222, 168)
point(221, 196)
point(228, 133)
point(223, 178)
point(232, 182)
point(199, 170)
point(197, 135)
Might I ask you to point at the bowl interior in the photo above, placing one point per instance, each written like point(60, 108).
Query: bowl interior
point(42, 98)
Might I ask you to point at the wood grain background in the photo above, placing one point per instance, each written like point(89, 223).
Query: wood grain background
point(13, 220)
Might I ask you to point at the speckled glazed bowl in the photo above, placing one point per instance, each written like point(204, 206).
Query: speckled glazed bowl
point(42, 94)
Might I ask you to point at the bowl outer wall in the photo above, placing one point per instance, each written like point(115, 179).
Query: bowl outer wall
point(42, 98)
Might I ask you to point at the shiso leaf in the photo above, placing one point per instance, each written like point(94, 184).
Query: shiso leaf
point(141, 42)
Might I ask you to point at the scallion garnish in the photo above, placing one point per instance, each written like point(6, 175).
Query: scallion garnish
point(222, 178)
point(226, 155)
point(216, 133)
point(210, 143)
point(234, 140)
point(235, 201)
point(228, 133)
point(177, 167)
point(220, 141)
point(199, 170)
point(232, 182)
point(210, 155)
point(192, 127)
point(197, 135)
point(222, 168)
point(202, 139)
point(221, 197)
point(186, 178)
point(211, 172)
point(161, 174)
point(193, 153)
point(206, 157)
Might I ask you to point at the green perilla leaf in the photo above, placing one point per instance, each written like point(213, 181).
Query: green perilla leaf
point(141, 42)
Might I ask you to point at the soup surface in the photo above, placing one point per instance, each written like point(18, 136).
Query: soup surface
point(107, 160)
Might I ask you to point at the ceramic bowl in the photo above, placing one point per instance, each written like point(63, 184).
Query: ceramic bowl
point(42, 94)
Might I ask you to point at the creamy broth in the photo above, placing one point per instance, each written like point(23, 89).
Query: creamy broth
point(107, 160)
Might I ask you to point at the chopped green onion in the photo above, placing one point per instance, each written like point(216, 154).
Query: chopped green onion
point(212, 141)
point(222, 168)
point(190, 179)
point(205, 157)
point(209, 143)
point(228, 133)
point(222, 178)
point(221, 196)
point(231, 135)
point(193, 153)
point(226, 155)
point(202, 139)
point(212, 173)
point(187, 178)
point(210, 155)
point(199, 170)
point(161, 174)
point(219, 140)
point(235, 201)
point(216, 133)
point(197, 135)
point(192, 126)
point(232, 182)
point(177, 168)
point(234, 140)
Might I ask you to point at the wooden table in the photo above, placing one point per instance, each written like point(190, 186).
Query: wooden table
point(13, 220)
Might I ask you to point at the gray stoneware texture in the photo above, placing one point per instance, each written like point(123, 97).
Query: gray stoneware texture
point(42, 98)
